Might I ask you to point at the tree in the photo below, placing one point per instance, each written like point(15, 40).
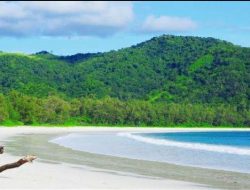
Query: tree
point(55, 110)
point(4, 115)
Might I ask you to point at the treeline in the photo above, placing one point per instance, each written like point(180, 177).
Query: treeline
point(17, 108)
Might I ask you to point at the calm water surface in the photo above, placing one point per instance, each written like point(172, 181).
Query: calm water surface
point(229, 150)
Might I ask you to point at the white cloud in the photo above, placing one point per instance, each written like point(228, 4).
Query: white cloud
point(168, 24)
point(65, 18)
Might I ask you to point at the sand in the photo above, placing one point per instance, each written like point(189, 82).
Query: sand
point(51, 171)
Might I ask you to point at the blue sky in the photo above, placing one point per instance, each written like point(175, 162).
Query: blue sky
point(72, 27)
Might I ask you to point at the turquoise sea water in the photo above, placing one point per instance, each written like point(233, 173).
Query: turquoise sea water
point(239, 139)
point(224, 150)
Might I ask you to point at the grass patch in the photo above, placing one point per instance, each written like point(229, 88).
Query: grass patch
point(205, 60)
point(10, 123)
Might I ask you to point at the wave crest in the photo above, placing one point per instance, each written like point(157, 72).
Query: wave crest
point(187, 145)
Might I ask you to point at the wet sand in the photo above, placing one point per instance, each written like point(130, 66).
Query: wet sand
point(118, 173)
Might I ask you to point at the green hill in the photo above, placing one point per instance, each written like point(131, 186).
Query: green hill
point(163, 70)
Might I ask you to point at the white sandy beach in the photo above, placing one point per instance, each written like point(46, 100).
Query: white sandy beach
point(65, 176)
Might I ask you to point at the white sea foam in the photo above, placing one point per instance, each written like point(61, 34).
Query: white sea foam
point(187, 145)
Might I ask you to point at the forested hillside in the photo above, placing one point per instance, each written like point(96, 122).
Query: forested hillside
point(167, 80)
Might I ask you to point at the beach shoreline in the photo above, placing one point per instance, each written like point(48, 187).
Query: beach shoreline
point(103, 168)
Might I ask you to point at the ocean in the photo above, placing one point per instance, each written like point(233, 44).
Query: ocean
point(222, 150)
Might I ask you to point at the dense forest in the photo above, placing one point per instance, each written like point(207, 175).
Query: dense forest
point(165, 81)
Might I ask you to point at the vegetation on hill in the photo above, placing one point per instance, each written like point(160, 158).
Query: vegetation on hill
point(167, 80)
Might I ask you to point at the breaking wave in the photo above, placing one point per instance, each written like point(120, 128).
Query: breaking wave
point(188, 145)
